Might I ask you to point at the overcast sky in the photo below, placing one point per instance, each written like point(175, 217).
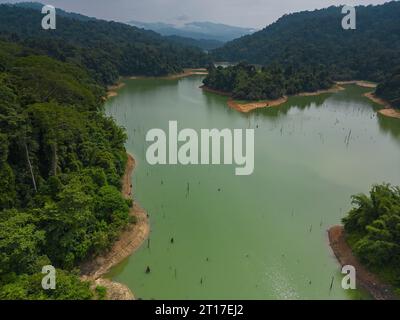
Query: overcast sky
point(246, 13)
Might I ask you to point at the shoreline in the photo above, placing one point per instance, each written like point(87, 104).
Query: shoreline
point(360, 83)
point(186, 73)
point(252, 105)
point(334, 89)
point(388, 110)
point(130, 240)
point(112, 91)
point(367, 280)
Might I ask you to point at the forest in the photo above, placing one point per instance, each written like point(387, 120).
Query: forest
point(373, 231)
point(106, 49)
point(308, 39)
point(248, 82)
point(389, 89)
point(61, 158)
point(316, 37)
point(61, 161)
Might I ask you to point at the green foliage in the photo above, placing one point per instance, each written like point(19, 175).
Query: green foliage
point(20, 242)
point(390, 89)
point(373, 226)
point(247, 82)
point(316, 37)
point(101, 292)
point(61, 162)
point(29, 287)
point(105, 49)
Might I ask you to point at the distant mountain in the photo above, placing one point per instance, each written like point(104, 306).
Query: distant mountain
point(206, 45)
point(106, 49)
point(316, 37)
point(196, 30)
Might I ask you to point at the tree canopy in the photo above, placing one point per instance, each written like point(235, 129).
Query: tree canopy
point(61, 162)
point(373, 229)
point(247, 82)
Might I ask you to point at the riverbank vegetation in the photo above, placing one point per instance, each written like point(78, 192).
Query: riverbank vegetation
point(61, 161)
point(373, 231)
point(61, 158)
point(246, 82)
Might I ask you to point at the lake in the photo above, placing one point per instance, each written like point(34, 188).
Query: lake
point(262, 236)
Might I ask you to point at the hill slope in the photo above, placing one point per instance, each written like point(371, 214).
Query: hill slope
point(196, 30)
point(316, 37)
point(107, 49)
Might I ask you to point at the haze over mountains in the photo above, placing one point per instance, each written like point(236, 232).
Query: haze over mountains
point(196, 30)
point(204, 35)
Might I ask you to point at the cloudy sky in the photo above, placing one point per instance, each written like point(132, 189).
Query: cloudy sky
point(246, 13)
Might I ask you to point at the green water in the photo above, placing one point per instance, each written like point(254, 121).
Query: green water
point(261, 236)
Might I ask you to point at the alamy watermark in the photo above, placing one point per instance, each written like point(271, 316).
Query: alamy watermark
point(49, 20)
point(349, 280)
point(49, 280)
point(237, 146)
point(349, 21)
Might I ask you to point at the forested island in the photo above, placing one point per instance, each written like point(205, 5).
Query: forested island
point(246, 82)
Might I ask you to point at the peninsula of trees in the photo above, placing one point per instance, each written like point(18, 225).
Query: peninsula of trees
point(373, 231)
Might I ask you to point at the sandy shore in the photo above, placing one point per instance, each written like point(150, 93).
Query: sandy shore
point(130, 240)
point(249, 106)
point(360, 83)
point(221, 93)
point(388, 110)
point(246, 107)
point(334, 89)
point(187, 73)
point(365, 279)
point(112, 91)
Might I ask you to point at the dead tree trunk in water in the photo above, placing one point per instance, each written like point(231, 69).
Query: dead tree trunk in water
point(30, 166)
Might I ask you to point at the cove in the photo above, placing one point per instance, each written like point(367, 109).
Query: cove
point(261, 236)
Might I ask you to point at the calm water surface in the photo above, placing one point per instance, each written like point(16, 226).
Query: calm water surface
point(261, 236)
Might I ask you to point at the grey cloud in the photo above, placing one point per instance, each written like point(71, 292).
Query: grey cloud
point(246, 13)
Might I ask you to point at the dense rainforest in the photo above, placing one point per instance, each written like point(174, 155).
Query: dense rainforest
point(373, 231)
point(61, 158)
point(309, 39)
point(247, 82)
point(107, 49)
point(61, 161)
